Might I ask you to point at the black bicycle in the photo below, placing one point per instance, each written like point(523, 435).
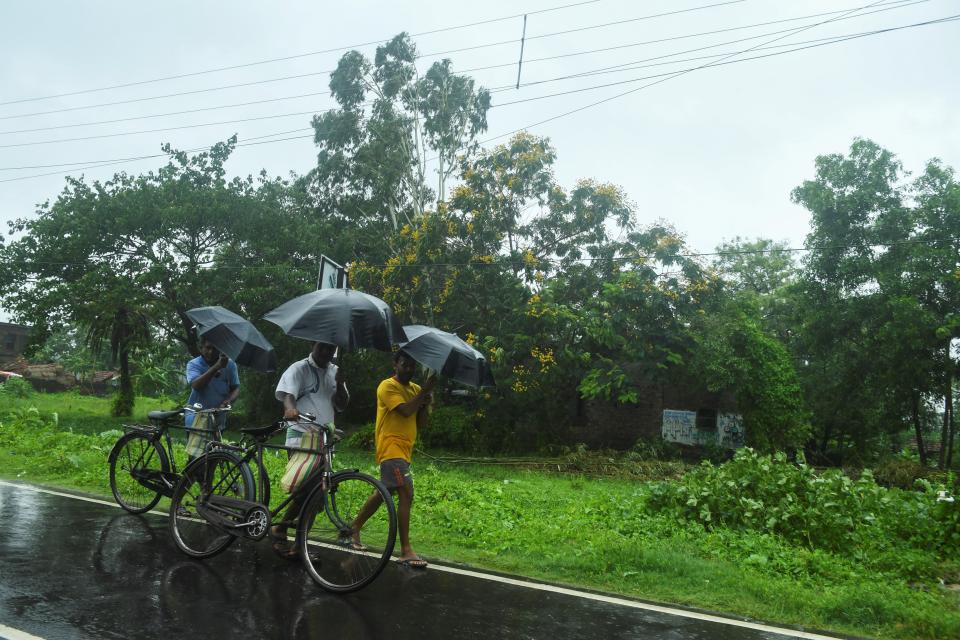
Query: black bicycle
point(206, 515)
point(142, 465)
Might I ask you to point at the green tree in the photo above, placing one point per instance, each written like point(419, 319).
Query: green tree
point(762, 266)
point(126, 258)
point(880, 290)
point(734, 353)
point(374, 149)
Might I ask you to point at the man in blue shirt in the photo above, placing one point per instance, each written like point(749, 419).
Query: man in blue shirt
point(214, 382)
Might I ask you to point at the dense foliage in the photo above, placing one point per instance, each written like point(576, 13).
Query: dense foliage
point(578, 296)
point(820, 510)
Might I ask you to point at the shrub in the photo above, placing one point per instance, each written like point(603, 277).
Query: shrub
point(362, 438)
point(825, 510)
point(901, 473)
point(16, 387)
point(452, 427)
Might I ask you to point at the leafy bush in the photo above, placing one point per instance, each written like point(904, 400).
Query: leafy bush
point(901, 473)
point(819, 510)
point(16, 387)
point(362, 438)
point(451, 427)
point(655, 448)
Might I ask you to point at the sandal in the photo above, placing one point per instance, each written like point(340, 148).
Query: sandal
point(415, 562)
point(281, 546)
point(285, 550)
point(354, 545)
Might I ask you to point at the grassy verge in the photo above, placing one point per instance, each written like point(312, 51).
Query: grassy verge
point(578, 530)
point(81, 413)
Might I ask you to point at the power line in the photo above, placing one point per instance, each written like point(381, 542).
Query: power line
point(142, 157)
point(888, 6)
point(163, 115)
point(819, 43)
point(604, 25)
point(158, 155)
point(166, 95)
point(295, 56)
point(722, 62)
point(895, 4)
point(710, 46)
point(669, 76)
point(660, 81)
point(192, 126)
point(316, 73)
point(306, 95)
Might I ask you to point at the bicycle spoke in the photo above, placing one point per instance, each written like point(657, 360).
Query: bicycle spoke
point(135, 468)
point(339, 558)
point(214, 474)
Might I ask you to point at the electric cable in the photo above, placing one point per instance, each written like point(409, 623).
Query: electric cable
point(722, 62)
point(291, 57)
point(894, 4)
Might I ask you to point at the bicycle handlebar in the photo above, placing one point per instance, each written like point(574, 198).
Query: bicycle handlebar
point(198, 408)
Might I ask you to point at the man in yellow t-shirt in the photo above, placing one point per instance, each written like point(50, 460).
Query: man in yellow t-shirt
point(402, 406)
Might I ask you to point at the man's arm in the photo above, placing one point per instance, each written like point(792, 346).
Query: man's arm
point(231, 397)
point(423, 413)
point(289, 406)
point(419, 401)
point(234, 374)
point(341, 397)
point(201, 381)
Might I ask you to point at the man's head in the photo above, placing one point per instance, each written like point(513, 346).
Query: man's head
point(403, 366)
point(209, 352)
point(323, 353)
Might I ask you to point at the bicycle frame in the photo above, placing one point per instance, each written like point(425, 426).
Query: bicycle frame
point(255, 451)
point(159, 431)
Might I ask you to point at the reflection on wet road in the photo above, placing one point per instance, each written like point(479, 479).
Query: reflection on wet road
point(75, 569)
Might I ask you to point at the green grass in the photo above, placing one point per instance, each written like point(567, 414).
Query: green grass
point(584, 531)
point(82, 413)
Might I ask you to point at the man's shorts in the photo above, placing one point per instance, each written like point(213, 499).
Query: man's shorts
point(395, 473)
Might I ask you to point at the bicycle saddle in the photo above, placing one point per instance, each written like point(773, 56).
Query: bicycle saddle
point(262, 433)
point(164, 415)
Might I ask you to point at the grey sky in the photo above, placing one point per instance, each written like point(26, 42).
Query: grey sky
point(715, 151)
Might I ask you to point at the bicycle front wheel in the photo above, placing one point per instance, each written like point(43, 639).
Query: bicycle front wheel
point(138, 468)
point(339, 555)
point(218, 474)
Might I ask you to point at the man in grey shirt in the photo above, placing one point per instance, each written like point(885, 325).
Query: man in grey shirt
point(313, 385)
point(316, 386)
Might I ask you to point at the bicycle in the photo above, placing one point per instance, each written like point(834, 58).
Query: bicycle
point(205, 518)
point(142, 465)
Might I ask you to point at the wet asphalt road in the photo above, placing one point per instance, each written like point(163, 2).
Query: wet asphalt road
point(71, 569)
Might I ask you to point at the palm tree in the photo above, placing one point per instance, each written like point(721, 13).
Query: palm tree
point(124, 327)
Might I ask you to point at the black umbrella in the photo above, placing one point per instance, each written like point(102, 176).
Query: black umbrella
point(235, 337)
point(447, 354)
point(343, 317)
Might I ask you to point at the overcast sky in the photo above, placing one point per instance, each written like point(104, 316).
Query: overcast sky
point(715, 151)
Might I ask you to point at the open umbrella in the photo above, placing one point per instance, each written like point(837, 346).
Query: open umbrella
point(449, 355)
point(235, 337)
point(343, 317)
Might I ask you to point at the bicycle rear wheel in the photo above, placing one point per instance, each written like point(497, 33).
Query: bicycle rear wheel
point(336, 558)
point(215, 474)
point(138, 465)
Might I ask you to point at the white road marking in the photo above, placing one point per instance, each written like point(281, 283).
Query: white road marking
point(9, 633)
point(633, 604)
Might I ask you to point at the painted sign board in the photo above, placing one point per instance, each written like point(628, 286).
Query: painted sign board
point(681, 426)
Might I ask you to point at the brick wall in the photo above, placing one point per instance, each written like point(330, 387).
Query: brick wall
point(608, 425)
